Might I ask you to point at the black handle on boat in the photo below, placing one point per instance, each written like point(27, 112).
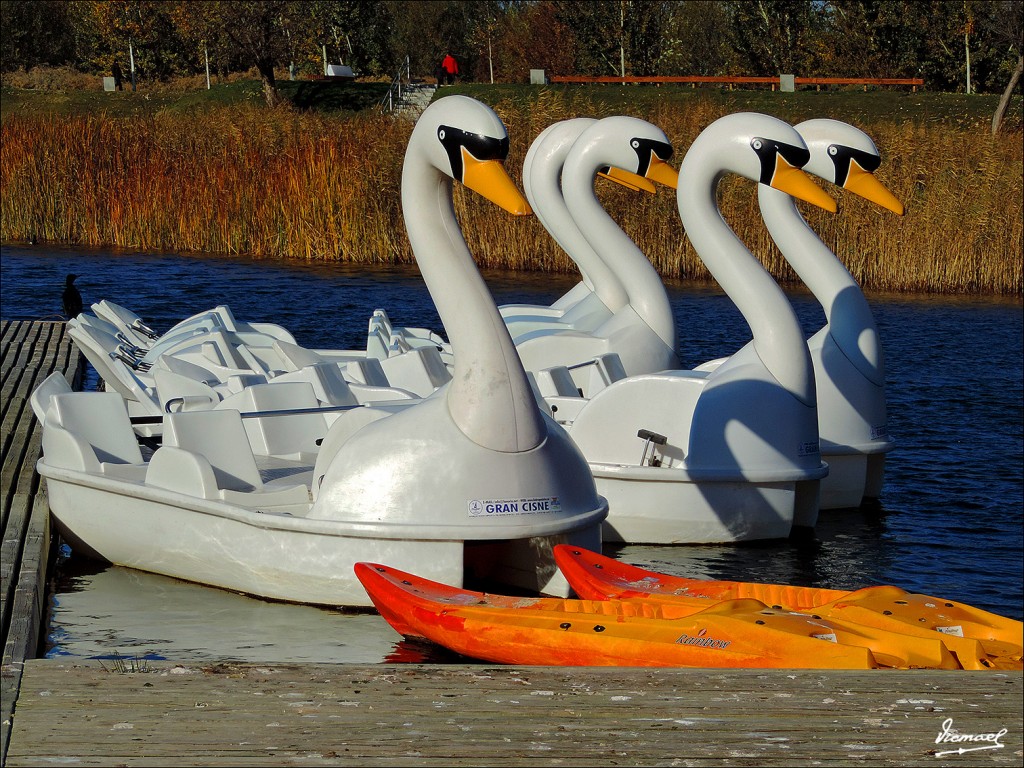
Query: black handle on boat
point(650, 437)
point(654, 437)
point(584, 364)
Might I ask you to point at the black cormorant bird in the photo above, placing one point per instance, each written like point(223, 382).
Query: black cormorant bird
point(72, 298)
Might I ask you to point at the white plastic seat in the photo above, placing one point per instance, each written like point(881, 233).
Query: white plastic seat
point(554, 381)
point(113, 369)
point(54, 384)
point(295, 358)
point(111, 335)
point(328, 383)
point(207, 454)
point(102, 419)
point(606, 370)
point(220, 437)
point(129, 322)
point(556, 392)
point(218, 348)
point(185, 368)
point(240, 381)
point(287, 436)
point(377, 344)
point(419, 370)
point(368, 372)
point(177, 392)
point(91, 432)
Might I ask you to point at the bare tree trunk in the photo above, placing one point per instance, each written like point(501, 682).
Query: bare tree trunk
point(1004, 102)
point(270, 93)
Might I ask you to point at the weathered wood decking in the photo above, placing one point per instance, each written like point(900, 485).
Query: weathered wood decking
point(31, 351)
point(82, 712)
point(458, 715)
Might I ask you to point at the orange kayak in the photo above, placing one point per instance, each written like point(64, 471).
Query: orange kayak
point(562, 632)
point(979, 639)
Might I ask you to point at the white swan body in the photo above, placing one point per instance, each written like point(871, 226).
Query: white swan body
point(641, 331)
point(471, 480)
point(599, 294)
point(846, 352)
point(733, 454)
point(480, 442)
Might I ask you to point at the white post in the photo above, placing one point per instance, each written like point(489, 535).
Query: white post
point(622, 39)
point(206, 55)
point(490, 60)
point(967, 50)
point(131, 59)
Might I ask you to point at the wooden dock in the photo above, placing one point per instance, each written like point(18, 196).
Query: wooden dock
point(179, 713)
point(31, 351)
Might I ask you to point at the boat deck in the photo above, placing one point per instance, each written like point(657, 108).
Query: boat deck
point(176, 712)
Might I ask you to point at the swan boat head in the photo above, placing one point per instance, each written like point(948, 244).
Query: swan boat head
point(770, 152)
point(479, 443)
point(846, 156)
point(542, 180)
point(623, 148)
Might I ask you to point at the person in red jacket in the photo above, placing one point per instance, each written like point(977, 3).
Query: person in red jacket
point(449, 69)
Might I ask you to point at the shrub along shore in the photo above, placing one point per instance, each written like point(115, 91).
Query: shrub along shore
point(312, 185)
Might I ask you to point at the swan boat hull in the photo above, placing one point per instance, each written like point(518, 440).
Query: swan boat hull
point(551, 631)
point(275, 552)
point(663, 505)
point(979, 639)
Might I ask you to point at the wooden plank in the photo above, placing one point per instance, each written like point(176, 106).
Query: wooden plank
point(479, 714)
point(736, 80)
point(30, 352)
point(15, 354)
point(858, 80)
point(21, 636)
point(19, 423)
point(15, 529)
point(667, 79)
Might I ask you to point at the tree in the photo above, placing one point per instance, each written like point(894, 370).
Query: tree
point(33, 33)
point(140, 30)
point(425, 30)
point(353, 32)
point(545, 40)
point(643, 25)
point(776, 35)
point(1010, 31)
point(596, 27)
point(518, 37)
point(698, 40)
point(256, 30)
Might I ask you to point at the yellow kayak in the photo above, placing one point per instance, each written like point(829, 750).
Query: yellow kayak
point(978, 639)
point(564, 632)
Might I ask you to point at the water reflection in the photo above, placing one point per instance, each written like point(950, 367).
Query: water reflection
point(949, 523)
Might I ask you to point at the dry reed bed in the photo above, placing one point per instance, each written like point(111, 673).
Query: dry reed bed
point(285, 184)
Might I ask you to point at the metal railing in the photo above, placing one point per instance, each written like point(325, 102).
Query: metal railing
point(392, 100)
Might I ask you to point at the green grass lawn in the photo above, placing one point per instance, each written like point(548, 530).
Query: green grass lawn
point(853, 105)
point(341, 98)
point(337, 97)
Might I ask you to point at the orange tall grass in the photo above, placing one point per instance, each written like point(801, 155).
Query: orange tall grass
point(290, 185)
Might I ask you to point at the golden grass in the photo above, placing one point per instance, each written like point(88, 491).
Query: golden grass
point(285, 184)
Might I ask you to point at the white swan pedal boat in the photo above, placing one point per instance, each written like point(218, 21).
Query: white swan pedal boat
point(473, 481)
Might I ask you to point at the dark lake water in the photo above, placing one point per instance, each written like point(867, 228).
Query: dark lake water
point(949, 522)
